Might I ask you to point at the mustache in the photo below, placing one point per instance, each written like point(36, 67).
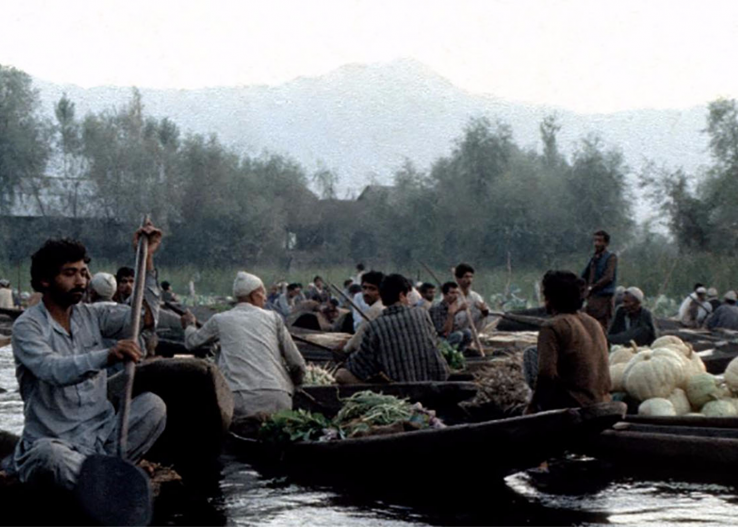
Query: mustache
point(80, 290)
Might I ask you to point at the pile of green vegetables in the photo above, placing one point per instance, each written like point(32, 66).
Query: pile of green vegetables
point(361, 413)
point(318, 376)
point(453, 356)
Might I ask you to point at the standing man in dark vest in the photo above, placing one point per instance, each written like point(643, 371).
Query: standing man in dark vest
point(601, 276)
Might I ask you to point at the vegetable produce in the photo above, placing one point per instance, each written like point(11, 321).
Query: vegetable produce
point(318, 376)
point(678, 399)
point(648, 375)
point(731, 375)
point(453, 356)
point(721, 408)
point(702, 388)
point(656, 406)
point(616, 377)
point(621, 356)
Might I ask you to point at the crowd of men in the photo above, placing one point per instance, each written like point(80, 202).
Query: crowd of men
point(78, 332)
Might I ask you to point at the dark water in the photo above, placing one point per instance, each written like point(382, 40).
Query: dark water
point(580, 492)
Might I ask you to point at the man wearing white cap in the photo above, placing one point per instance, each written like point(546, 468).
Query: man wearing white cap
point(725, 316)
point(695, 308)
point(632, 321)
point(257, 356)
point(102, 288)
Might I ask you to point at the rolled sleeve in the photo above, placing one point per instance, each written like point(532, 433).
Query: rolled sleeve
point(32, 351)
point(194, 338)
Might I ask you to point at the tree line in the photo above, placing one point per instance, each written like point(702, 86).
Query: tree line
point(488, 201)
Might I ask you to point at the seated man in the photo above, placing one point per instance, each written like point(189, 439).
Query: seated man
point(288, 300)
point(632, 321)
point(124, 279)
point(61, 363)
point(167, 295)
point(725, 316)
point(257, 356)
point(572, 353)
point(102, 288)
point(443, 315)
point(428, 293)
point(370, 297)
point(695, 309)
point(399, 345)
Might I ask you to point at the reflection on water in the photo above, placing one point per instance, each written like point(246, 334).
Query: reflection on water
point(589, 496)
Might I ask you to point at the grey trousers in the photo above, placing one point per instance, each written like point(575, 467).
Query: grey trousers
point(250, 402)
point(530, 366)
point(57, 462)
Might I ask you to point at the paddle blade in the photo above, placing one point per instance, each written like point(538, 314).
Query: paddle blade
point(113, 491)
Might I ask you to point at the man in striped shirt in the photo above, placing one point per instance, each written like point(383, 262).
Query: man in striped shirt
point(399, 345)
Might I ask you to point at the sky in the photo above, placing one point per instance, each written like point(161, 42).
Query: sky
point(587, 56)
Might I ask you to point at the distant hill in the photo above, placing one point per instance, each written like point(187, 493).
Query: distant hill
point(363, 120)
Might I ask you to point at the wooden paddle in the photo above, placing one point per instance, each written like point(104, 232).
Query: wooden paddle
point(350, 302)
point(112, 490)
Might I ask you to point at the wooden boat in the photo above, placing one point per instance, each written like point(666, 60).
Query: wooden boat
point(433, 459)
point(443, 397)
point(699, 448)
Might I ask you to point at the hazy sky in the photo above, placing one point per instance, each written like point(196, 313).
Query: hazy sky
point(588, 56)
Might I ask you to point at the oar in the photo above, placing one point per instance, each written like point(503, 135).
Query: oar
point(472, 327)
point(536, 322)
point(112, 490)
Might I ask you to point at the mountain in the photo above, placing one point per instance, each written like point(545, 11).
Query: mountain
point(362, 121)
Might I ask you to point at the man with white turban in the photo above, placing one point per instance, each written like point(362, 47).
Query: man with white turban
point(632, 321)
point(102, 288)
point(257, 356)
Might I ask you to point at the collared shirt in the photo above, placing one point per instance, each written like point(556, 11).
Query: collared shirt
point(62, 375)
point(359, 302)
point(254, 348)
point(401, 343)
point(371, 313)
point(439, 314)
point(473, 299)
point(638, 327)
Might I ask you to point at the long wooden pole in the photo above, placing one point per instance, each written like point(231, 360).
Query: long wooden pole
point(130, 368)
point(472, 327)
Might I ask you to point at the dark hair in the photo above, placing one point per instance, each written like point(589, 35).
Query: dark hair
point(462, 269)
point(426, 286)
point(333, 302)
point(347, 283)
point(360, 266)
point(604, 234)
point(123, 272)
point(51, 257)
point(391, 288)
point(372, 277)
point(354, 288)
point(165, 285)
point(448, 286)
point(293, 286)
point(317, 278)
point(563, 291)
point(697, 285)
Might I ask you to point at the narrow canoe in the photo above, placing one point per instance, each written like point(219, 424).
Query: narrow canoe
point(430, 459)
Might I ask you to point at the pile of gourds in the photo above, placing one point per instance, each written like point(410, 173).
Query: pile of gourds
point(669, 378)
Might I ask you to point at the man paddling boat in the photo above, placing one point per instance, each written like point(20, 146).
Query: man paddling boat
point(61, 359)
point(257, 356)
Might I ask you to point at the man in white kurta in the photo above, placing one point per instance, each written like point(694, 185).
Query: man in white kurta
point(257, 356)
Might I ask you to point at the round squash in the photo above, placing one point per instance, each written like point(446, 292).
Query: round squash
point(680, 402)
point(616, 377)
point(702, 388)
point(647, 375)
point(731, 375)
point(656, 406)
point(670, 341)
point(621, 356)
point(680, 359)
point(697, 365)
point(721, 408)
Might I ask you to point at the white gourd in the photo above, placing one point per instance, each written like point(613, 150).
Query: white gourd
point(680, 402)
point(697, 365)
point(656, 406)
point(678, 358)
point(670, 341)
point(647, 376)
point(731, 375)
point(721, 408)
point(621, 356)
point(616, 377)
point(702, 388)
